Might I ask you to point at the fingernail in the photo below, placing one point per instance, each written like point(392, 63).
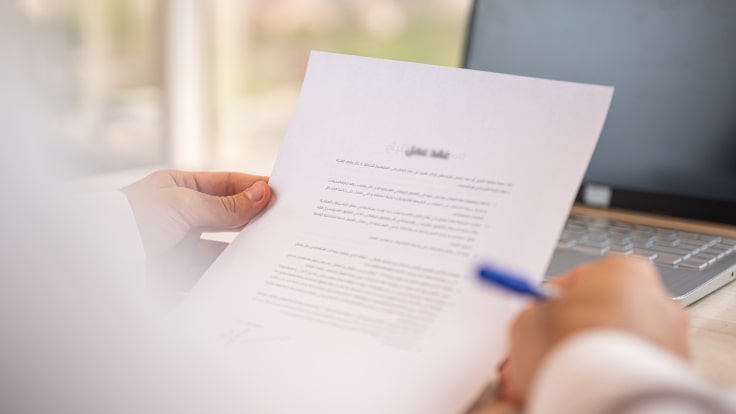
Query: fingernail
point(256, 191)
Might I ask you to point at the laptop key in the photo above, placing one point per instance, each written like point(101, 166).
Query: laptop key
point(685, 254)
point(622, 225)
point(693, 264)
point(620, 240)
point(710, 239)
point(600, 251)
point(565, 244)
point(621, 246)
point(597, 235)
point(640, 234)
point(642, 244)
point(668, 243)
point(687, 235)
point(621, 250)
point(619, 230)
point(567, 236)
point(694, 248)
point(575, 227)
point(719, 253)
point(667, 259)
point(649, 254)
point(710, 258)
point(665, 236)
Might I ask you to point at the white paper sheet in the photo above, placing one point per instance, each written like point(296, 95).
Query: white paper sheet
point(355, 292)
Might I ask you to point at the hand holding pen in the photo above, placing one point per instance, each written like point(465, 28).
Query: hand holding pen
point(621, 293)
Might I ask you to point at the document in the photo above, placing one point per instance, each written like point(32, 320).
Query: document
point(356, 292)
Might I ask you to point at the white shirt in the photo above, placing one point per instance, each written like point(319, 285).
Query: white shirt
point(607, 372)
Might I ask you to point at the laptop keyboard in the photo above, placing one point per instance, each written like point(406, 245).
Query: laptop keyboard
point(669, 247)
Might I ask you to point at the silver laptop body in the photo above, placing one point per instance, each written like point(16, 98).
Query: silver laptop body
point(662, 181)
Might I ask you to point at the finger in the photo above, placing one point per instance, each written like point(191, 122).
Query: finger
point(215, 183)
point(636, 269)
point(504, 385)
point(226, 212)
point(682, 320)
point(566, 280)
point(506, 388)
point(528, 343)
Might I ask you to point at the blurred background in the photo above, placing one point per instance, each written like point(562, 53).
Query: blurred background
point(212, 84)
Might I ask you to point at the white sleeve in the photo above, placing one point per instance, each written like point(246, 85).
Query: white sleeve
point(104, 225)
point(612, 372)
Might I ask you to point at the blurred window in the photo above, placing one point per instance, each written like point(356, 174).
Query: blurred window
point(262, 47)
point(105, 68)
point(142, 80)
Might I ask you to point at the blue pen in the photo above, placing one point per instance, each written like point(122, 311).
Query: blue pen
point(517, 284)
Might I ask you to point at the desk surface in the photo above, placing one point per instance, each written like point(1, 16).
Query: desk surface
point(713, 335)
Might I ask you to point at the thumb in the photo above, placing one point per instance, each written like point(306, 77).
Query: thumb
point(227, 212)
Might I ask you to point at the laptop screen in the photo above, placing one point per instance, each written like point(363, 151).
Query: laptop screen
point(669, 143)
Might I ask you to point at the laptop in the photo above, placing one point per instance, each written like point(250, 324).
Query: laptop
point(662, 180)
